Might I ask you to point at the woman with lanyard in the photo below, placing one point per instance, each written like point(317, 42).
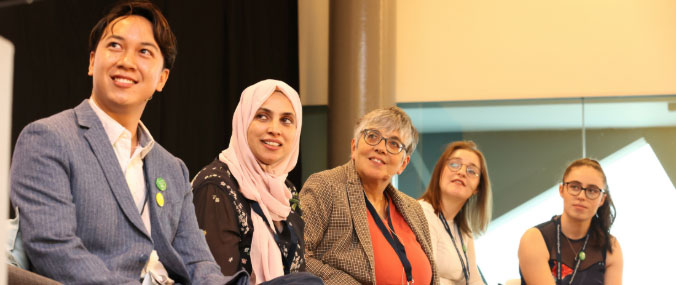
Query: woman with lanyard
point(575, 247)
point(242, 198)
point(457, 205)
point(359, 229)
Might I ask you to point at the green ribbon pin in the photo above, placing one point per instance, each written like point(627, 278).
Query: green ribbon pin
point(161, 184)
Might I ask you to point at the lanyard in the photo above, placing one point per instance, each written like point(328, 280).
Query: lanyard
point(391, 236)
point(465, 268)
point(148, 191)
point(558, 254)
point(145, 202)
point(294, 239)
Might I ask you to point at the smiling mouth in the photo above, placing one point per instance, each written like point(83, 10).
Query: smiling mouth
point(376, 160)
point(459, 182)
point(272, 143)
point(123, 80)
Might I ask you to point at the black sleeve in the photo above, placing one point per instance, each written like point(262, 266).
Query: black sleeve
point(217, 218)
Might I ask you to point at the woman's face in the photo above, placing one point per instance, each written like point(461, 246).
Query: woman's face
point(272, 132)
point(460, 184)
point(580, 207)
point(375, 163)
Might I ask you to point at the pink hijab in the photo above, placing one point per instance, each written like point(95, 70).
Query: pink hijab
point(267, 188)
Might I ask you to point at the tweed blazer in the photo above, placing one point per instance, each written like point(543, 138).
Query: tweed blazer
point(79, 223)
point(337, 237)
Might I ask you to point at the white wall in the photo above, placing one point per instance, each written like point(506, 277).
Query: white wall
point(448, 50)
point(6, 70)
point(483, 49)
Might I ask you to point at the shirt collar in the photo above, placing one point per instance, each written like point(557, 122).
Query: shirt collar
point(115, 130)
point(145, 139)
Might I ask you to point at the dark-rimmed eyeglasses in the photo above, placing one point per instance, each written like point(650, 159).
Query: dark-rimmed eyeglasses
point(373, 138)
point(456, 164)
point(592, 192)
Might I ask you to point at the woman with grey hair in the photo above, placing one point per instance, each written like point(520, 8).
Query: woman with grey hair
point(359, 229)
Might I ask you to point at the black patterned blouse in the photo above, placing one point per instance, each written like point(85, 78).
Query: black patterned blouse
point(223, 213)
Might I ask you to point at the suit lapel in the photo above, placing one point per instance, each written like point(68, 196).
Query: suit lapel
point(162, 245)
point(355, 195)
point(402, 207)
point(152, 172)
point(100, 145)
point(411, 218)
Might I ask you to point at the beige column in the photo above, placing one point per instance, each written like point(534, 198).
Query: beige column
point(361, 67)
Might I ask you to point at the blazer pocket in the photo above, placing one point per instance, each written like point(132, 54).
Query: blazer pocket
point(170, 212)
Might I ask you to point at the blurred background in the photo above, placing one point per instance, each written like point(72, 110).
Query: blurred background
point(536, 84)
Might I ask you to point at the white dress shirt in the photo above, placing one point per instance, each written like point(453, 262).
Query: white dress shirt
point(131, 161)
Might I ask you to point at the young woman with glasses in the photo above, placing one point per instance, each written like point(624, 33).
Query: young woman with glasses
point(579, 239)
point(457, 205)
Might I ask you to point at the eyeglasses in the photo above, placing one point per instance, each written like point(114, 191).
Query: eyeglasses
point(373, 138)
point(456, 164)
point(592, 192)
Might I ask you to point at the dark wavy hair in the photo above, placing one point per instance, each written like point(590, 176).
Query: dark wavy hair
point(605, 215)
point(475, 214)
point(164, 37)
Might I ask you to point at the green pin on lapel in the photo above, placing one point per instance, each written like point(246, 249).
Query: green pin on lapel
point(161, 184)
point(582, 255)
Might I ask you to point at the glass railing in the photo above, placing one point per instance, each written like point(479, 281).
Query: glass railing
point(528, 144)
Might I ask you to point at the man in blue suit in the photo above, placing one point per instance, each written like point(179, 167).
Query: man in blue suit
point(100, 201)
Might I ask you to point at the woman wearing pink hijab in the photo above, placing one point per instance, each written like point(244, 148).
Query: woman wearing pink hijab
point(242, 199)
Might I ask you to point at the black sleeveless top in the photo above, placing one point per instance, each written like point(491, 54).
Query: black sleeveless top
point(591, 270)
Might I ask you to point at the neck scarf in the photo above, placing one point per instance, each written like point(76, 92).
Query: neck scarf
point(265, 187)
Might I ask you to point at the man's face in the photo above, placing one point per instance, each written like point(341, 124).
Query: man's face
point(127, 66)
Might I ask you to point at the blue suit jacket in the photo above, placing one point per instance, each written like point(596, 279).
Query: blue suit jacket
point(79, 223)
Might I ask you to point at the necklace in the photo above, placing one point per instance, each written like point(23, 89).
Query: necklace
point(580, 256)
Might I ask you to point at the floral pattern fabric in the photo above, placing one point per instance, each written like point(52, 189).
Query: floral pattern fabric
point(223, 213)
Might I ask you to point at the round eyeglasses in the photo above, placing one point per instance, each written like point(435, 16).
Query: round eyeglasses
point(373, 138)
point(592, 192)
point(456, 164)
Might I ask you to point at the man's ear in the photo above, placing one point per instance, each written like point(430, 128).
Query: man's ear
point(163, 80)
point(90, 72)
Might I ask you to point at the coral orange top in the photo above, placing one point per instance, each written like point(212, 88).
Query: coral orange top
point(388, 266)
